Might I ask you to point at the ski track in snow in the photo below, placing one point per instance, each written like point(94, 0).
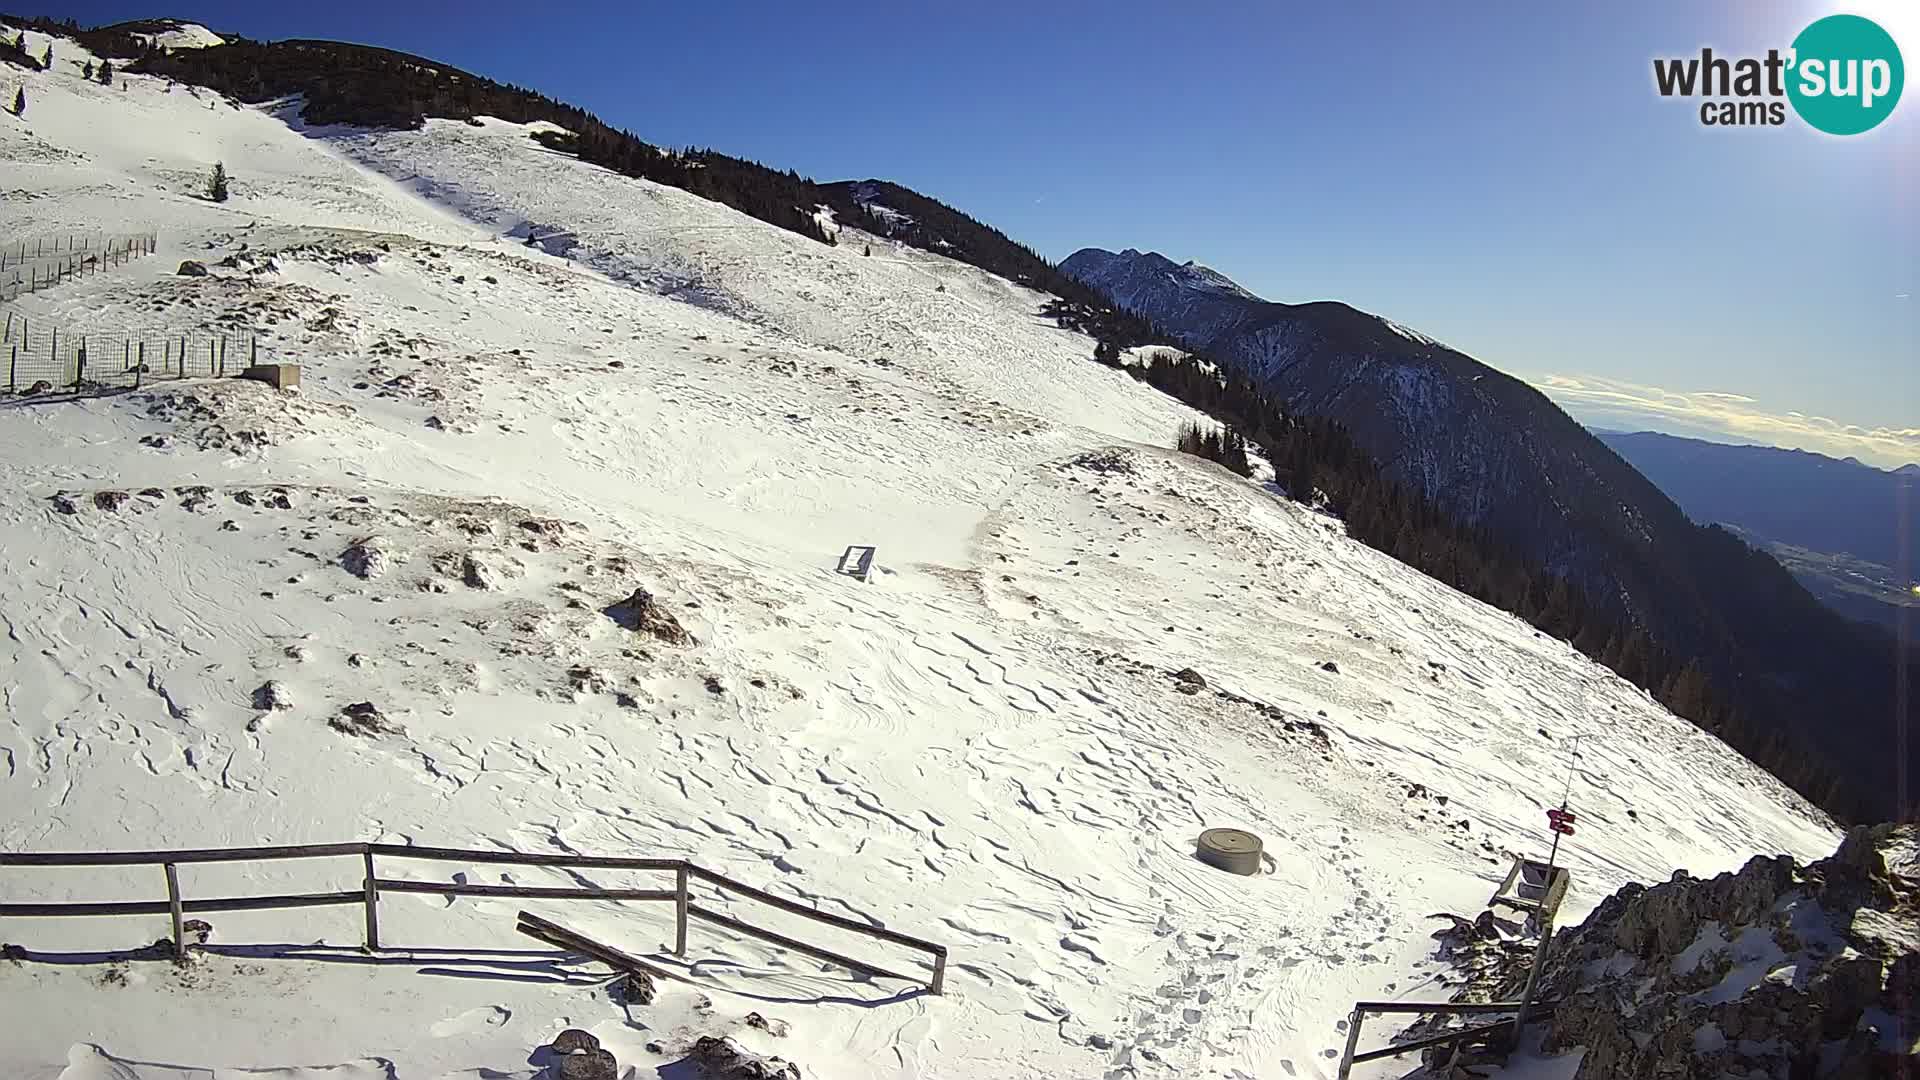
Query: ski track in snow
point(985, 746)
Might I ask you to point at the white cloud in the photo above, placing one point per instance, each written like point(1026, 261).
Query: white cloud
point(1725, 417)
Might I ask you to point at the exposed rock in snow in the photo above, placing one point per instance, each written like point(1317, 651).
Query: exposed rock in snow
point(482, 571)
point(641, 613)
point(1778, 970)
point(274, 695)
point(192, 268)
point(724, 1059)
point(365, 719)
point(365, 557)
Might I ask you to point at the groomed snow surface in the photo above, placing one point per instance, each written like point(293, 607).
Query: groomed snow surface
point(985, 746)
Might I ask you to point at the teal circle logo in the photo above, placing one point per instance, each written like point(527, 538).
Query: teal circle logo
point(1846, 75)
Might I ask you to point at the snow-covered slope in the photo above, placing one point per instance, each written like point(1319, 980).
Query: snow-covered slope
point(986, 746)
point(175, 34)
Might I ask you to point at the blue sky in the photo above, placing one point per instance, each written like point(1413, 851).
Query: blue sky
point(1501, 176)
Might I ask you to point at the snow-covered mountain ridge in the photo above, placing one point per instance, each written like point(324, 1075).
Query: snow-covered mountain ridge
point(988, 745)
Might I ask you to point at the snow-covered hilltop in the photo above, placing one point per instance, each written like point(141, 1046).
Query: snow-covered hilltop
point(1080, 648)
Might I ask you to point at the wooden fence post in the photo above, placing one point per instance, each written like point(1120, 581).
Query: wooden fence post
point(13, 367)
point(173, 902)
point(253, 351)
point(223, 354)
point(938, 985)
point(140, 365)
point(680, 910)
point(373, 905)
point(1353, 1042)
point(80, 363)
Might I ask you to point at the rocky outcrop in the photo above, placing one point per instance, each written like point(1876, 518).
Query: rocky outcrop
point(724, 1059)
point(364, 719)
point(1778, 970)
point(641, 613)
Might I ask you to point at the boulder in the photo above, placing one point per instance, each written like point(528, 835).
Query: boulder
point(589, 1065)
point(475, 572)
point(363, 718)
point(638, 989)
point(776, 1028)
point(641, 613)
point(192, 268)
point(724, 1059)
point(574, 1040)
point(365, 558)
point(109, 500)
point(272, 695)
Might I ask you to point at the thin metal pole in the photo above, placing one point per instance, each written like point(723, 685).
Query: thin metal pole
point(173, 902)
point(680, 911)
point(373, 904)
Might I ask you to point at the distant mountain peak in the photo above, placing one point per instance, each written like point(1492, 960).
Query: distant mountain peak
point(1109, 271)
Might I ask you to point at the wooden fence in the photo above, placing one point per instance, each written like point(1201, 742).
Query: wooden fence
point(34, 353)
point(28, 267)
point(372, 885)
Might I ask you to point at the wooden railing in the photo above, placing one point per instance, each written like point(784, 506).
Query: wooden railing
point(372, 885)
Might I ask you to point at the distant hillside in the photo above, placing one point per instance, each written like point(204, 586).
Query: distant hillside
point(1845, 529)
point(1809, 500)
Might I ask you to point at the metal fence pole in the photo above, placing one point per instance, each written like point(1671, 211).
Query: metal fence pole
point(680, 911)
point(373, 904)
point(173, 902)
point(13, 368)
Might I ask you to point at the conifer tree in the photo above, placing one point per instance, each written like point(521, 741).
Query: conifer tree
point(20, 101)
point(106, 73)
point(217, 184)
point(86, 71)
